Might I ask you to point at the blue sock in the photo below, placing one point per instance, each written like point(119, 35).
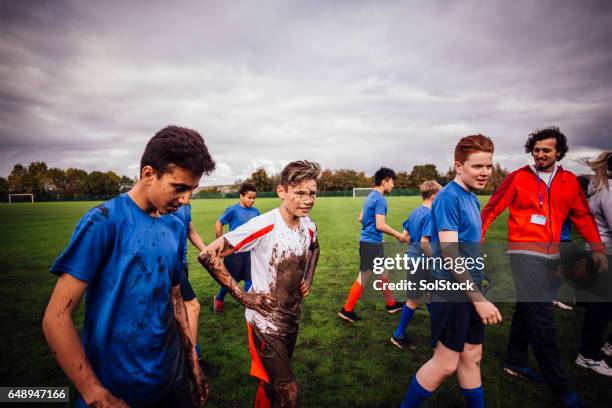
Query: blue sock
point(416, 395)
point(474, 397)
point(198, 351)
point(247, 285)
point(222, 293)
point(404, 320)
point(429, 307)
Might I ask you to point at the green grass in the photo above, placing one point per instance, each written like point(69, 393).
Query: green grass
point(337, 364)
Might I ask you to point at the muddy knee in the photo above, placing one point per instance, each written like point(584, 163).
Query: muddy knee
point(286, 395)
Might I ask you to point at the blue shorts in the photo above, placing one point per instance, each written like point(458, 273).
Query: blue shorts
point(186, 290)
point(455, 323)
point(239, 265)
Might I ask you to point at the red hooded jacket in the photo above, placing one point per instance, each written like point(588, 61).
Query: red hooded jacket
point(563, 197)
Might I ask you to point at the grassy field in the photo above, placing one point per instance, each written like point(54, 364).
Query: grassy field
point(337, 364)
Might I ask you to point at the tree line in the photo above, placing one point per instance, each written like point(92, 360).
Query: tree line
point(347, 179)
point(59, 184)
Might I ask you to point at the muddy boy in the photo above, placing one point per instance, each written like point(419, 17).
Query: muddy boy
point(284, 252)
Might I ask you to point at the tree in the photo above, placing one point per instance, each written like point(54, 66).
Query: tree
point(17, 180)
point(37, 177)
point(56, 181)
point(4, 189)
point(125, 184)
point(261, 180)
point(421, 173)
point(403, 180)
point(75, 180)
point(497, 177)
point(448, 176)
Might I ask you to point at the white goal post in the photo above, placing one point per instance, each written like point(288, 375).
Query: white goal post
point(361, 191)
point(21, 195)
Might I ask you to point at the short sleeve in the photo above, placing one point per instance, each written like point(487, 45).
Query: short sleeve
point(88, 249)
point(245, 237)
point(226, 217)
point(426, 226)
point(381, 206)
point(447, 213)
point(181, 259)
point(405, 224)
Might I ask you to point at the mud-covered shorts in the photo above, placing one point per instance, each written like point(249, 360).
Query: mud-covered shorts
point(367, 252)
point(271, 355)
point(187, 291)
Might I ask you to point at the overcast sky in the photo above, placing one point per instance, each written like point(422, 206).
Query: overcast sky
point(345, 83)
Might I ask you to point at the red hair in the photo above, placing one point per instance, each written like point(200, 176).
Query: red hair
point(471, 144)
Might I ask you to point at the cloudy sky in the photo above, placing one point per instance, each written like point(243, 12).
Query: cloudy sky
point(355, 84)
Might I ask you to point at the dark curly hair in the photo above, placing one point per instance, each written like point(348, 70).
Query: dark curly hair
point(551, 132)
point(382, 174)
point(246, 187)
point(180, 146)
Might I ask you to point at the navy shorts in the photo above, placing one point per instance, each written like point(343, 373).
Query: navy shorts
point(186, 290)
point(239, 265)
point(367, 252)
point(455, 323)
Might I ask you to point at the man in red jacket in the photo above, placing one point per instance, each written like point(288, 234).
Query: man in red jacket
point(540, 197)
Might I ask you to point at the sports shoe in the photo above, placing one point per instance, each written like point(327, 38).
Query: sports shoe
point(348, 316)
point(396, 307)
point(402, 343)
point(599, 366)
point(572, 400)
point(218, 306)
point(526, 373)
point(607, 349)
point(562, 305)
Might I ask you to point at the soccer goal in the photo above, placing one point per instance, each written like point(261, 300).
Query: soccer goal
point(21, 198)
point(361, 191)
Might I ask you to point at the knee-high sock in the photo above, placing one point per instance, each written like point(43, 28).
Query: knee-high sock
point(387, 293)
point(353, 297)
point(416, 395)
point(222, 293)
point(404, 320)
point(474, 397)
point(261, 399)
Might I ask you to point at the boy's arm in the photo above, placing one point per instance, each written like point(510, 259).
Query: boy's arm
point(195, 238)
point(426, 247)
point(212, 259)
point(200, 381)
point(311, 265)
point(405, 236)
point(449, 245)
point(218, 229)
point(382, 226)
point(65, 344)
point(360, 217)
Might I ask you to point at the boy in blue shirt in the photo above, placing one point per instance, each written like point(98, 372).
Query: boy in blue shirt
point(238, 264)
point(127, 258)
point(457, 325)
point(417, 231)
point(373, 225)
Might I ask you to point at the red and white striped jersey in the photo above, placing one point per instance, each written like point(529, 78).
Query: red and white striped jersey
point(278, 264)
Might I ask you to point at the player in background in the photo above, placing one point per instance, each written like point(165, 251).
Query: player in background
point(417, 231)
point(373, 225)
point(284, 253)
point(136, 344)
point(540, 197)
point(238, 264)
point(457, 325)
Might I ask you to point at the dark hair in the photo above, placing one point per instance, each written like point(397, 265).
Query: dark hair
point(298, 171)
point(551, 132)
point(246, 187)
point(180, 146)
point(383, 173)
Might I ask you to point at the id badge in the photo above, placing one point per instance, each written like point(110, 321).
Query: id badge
point(538, 219)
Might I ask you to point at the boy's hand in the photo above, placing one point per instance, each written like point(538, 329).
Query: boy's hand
point(200, 387)
point(304, 288)
point(102, 398)
point(260, 302)
point(488, 312)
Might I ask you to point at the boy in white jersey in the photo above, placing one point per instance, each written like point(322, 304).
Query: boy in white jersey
point(284, 253)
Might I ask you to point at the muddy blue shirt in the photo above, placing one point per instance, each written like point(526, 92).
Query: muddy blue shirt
point(374, 204)
point(130, 261)
point(184, 214)
point(236, 215)
point(455, 209)
point(418, 225)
